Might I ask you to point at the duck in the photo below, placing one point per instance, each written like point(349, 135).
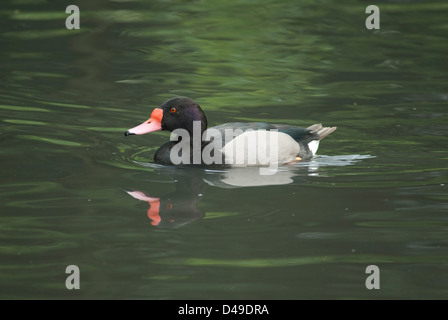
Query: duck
point(235, 144)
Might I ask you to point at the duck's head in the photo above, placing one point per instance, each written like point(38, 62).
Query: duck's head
point(176, 113)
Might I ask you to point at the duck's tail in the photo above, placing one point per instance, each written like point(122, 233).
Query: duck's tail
point(321, 131)
point(318, 132)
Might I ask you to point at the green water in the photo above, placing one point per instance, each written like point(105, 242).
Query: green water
point(375, 195)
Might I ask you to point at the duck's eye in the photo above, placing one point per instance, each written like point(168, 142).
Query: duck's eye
point(172, 110)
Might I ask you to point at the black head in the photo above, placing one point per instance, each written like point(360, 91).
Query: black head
point(180, 113)
point(176, 113)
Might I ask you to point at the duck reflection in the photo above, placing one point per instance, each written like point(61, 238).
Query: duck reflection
point(180, 207)
point(176, 208)
point(247, 177)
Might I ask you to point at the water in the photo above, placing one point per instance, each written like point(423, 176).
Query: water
point(74, 190)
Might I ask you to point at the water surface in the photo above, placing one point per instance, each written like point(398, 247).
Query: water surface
point(74, 190)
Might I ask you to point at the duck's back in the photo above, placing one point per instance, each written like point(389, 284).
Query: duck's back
point(297, 133)
point(306, 138)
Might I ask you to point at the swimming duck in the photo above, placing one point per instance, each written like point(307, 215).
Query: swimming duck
point(250, 144)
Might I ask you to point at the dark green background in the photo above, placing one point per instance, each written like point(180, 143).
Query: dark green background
point(376, 195)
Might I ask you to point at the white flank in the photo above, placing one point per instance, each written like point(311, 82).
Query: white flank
point(260, 148)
